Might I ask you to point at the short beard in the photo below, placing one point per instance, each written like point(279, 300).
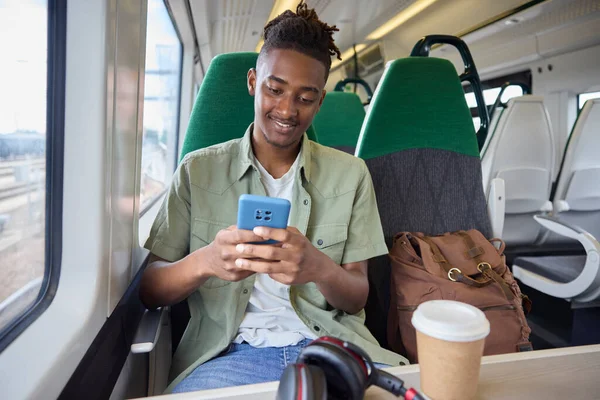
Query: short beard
point(279, 146)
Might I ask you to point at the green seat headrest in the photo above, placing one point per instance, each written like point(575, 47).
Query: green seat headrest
point(339, 120)
point(419, 103)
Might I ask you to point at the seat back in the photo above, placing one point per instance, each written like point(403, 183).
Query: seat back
point(339, 121)
point(577, 194)
point(223, 108)
point(520, 150)
point(419, 143)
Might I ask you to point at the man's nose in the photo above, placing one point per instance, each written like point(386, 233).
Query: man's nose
point(286, 107)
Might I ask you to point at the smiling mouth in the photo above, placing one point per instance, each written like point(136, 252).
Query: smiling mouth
point(284, 127)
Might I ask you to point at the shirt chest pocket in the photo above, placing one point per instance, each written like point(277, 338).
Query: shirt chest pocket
point(330, 239)
point(203, 233)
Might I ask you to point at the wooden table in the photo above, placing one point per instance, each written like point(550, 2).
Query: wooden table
point(571, 373)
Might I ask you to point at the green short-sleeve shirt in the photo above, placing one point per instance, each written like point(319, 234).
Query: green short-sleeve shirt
point(333, 205)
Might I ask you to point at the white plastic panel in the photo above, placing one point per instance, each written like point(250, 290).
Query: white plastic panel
point(496, 204)
point(125, 79)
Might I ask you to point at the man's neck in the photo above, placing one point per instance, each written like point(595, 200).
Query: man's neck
point(276, 160)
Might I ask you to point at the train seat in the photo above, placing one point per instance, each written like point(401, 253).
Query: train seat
point(523, 125)
point(419, 144)
point(339, 120)
point(576, 199)
point(576, 216)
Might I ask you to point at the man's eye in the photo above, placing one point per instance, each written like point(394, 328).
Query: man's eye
point(307, 101)
point(273, 90)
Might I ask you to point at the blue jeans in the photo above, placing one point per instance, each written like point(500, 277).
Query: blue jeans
point(243, 364)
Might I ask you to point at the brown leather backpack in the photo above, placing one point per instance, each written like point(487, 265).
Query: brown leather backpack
point(462, 266)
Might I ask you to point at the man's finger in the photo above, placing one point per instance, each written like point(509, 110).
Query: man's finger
point(264, 251)
point(262, 267)
point(281, 235)
point(236, 236)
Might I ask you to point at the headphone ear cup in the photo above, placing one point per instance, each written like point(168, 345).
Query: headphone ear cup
point(288, 383)
point(302, 382)
point(317, 381)
point(345, 378)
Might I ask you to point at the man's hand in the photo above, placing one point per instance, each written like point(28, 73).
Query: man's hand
point(294, 261)
point(166, 283)
point(221, 254)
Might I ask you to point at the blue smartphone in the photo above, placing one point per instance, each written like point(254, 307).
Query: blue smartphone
point(256, 211)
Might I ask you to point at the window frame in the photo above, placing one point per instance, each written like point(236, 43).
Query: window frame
point(579, 107)
point(159, 196)
point(55, 137)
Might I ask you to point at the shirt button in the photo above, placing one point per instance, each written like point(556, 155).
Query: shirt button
point(320, 242)
point(245, 291)
point(402, 363)
point(305, 202)
point(317, 328)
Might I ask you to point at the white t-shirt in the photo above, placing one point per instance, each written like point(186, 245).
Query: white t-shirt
point(270, 320)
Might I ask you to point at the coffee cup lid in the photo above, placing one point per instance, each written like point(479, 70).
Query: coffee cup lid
point(451, 320)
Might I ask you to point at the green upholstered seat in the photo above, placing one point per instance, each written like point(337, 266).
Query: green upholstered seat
point(223, 108)
point(339, 120)
point(419, 104)
point(420, 146)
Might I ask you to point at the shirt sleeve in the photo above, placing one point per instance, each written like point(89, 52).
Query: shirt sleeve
point(365, 234)
point(170, 234)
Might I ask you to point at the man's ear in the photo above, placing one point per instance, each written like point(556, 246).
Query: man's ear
point(252, 81)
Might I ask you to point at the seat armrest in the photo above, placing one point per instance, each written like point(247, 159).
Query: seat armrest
point(563, 228)
point(586, 286)
point(496, 204)
point(148, 331)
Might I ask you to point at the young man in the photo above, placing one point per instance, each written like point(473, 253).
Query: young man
point(253, 307)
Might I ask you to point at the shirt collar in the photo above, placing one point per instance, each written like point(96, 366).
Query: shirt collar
point(247, 159)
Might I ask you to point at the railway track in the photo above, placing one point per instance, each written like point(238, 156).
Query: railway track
point(10, 188)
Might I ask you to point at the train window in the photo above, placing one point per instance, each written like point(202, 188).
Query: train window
point(29, 193)
point(583, 97)
point(161, 103)
point(491, 89)
point(489, 96)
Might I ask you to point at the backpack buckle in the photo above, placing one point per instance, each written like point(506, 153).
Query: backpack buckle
point(452, 270)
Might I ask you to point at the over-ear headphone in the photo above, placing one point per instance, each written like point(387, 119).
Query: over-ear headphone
point(329, 368)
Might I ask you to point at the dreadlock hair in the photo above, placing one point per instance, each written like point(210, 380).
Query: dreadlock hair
point(304, 32)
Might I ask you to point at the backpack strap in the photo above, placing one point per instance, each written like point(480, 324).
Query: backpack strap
point(454, 274)
point(484, 267)
point(502, 245)
point(473, 251)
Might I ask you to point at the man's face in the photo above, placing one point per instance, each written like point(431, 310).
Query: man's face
point(288, 89)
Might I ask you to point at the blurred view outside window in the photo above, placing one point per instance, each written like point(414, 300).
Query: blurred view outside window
point(161, 103)
point(23, 46)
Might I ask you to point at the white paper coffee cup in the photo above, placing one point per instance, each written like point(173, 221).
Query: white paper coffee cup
point(450, 341)
point(452, 321)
